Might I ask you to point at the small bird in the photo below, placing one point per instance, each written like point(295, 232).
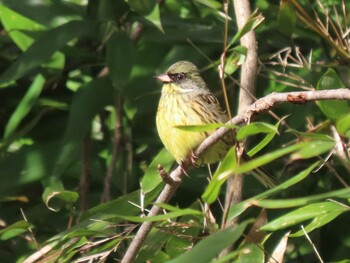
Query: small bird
point(186, 100)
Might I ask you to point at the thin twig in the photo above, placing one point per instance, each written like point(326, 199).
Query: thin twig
point(312, 244)
point(85, 175)
point(116, 145)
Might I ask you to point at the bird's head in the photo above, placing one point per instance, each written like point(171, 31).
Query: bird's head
point(185, 75)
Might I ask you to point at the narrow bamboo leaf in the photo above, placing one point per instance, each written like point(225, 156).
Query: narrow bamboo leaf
point(268, 138)
point(152, 179)
point(209, 248)
point(261, 145)
point(25, 105)
point(316, 212)
point(314, 148)
point(16, 24)
point(226, 168)
point(152, 247)
point(255, 128)
point(163, 217)
point(318, 222)
point(287, 203)
point(43, 48)
point(269, 157)
point(253, 21)
point(242, 206)
point(120, 53)
point(14, 230)
point(333, 109)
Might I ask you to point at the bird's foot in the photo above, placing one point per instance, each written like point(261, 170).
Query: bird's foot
point(194, 158)
point(183, 168)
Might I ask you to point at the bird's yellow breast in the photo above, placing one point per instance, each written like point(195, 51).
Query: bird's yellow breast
point(181, 109)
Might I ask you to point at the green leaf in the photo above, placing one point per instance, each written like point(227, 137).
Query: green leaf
point(14, 230)
point(286, 18)
point(314, 148)
point(152, 179)
point(87, 102)
point(333, 109)
point(25, 105)
point(120, 52)
point(268, 138)
point(287, 203)
point(162, 217)
point(226, 168)
point(210, 247)
point(154, 18)
point(152, 246)
point(255, 128)
point(343, 125)
point(16, 24)
point(319, 221)
point(251, 252)
point(43, 47)
point(54, 198)
point(188, 226)
point(320, 214)
point(236, 58)
point(269, 157)
point(253, 21)
point(242, 206)
point(143, 7)
point(261, 145)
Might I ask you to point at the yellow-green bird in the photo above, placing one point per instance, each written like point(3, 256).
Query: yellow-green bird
point(186, 100)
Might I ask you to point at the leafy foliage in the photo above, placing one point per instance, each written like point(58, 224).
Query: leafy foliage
point(77, 112)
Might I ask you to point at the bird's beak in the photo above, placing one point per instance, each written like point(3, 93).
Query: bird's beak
point(164, 78)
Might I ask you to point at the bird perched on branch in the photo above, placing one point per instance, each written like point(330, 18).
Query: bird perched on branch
point(186, 100)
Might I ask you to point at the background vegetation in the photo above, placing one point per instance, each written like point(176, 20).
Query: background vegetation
point(77, 121)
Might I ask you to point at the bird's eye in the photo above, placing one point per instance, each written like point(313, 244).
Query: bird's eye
point(177, 77)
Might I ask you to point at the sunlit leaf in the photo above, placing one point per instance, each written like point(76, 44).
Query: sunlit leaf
point(255, 128)
point(14, 230)
point(227, 168)
point(319, 213)
point(238, 209)
point(25, 105)
point(43, 48)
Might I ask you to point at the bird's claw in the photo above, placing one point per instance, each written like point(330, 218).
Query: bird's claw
point(194, 158)
point(183, 168)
